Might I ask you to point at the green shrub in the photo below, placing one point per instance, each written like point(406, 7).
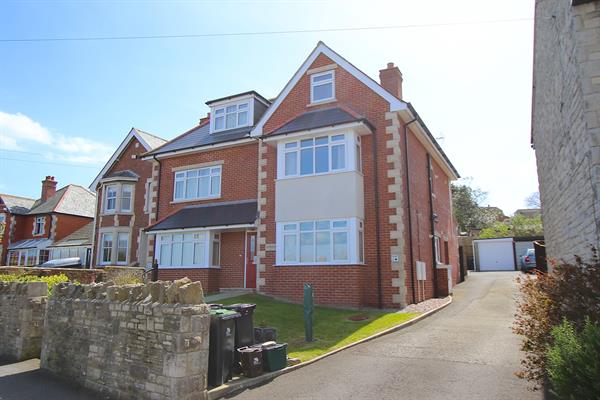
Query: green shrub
point(50, 280)
point(573, 361)
point(572, 292)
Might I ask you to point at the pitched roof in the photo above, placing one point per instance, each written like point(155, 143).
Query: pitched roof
point(17, 204)
point(71, 199)
point(242, 212)
point(200, 136)
point(148, 140)
point(81, 237)
point(318, 119)
point(40, 243)
point(233, 96)
point(123, 174)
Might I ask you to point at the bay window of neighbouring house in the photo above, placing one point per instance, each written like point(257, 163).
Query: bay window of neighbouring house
point(322, 87)
point(118, 198)
point(320, 242)
point(188, 250)
point(197, 184)
point(114, 248)
point(319, 155)
point(106, 249)
point(122, 247)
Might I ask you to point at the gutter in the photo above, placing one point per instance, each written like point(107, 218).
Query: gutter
point(408, 205)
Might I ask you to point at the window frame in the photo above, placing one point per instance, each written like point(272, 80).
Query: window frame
point(205, 238)
point(293, 229)
point(39, 222)
point(215, 113)
point(107, 198)
point(438, 250)
point(117, 246)
point(131, 189)
point(313, 84)
point(297, 149)
point(198, 176)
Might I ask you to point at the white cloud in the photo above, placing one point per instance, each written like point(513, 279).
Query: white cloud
point(18, 131)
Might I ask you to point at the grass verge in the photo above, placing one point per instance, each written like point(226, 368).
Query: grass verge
point(332, 329)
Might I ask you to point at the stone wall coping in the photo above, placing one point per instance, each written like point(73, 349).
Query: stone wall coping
point(28, 289)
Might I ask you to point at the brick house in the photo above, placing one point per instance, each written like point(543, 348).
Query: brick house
point(32, 227)
point(566, 124)
point(123, 202)
point(337, 183)
point(10, 208)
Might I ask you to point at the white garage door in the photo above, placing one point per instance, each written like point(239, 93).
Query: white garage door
point(495, 255)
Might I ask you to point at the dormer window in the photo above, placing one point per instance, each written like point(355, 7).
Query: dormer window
point(322, 87)
point(231, 117)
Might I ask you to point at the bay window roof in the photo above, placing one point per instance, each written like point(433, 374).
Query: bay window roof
point(321, 118)
point(232, 213)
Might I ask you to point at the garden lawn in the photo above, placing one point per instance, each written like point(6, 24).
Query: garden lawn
point(331, 327)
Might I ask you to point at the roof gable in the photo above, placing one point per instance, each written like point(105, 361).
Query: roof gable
point(321, 48)
point(146, 139)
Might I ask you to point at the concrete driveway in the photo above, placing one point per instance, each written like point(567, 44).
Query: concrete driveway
point(466, 351)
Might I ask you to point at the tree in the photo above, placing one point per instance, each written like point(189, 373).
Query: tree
point(517, 226)
point(533, 200)
point(465, 201)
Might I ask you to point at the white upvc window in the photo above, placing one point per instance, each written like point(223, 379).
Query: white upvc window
point(110, 204)
point(122, 247)
point(314, 156)
point(231, 116)
point(438, 255)
point(39, 225)
point(106, 250)
point(197, 184)
point(148, 203)
point(216, 250)
point(322, 87)
point(126, 198)
point(318, 242)
point(361, 242)
point(187, 250)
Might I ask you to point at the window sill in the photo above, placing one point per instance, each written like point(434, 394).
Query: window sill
point(193, 200)
point(341, 171)
point(318, 103)
point(337, 264)
point(187, 267)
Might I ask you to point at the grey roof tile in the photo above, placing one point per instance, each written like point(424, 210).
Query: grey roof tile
point(122, 174)
point(17, 204)
point(318, 119)
point(81, 237)
point(71, 199)
point(152, 140)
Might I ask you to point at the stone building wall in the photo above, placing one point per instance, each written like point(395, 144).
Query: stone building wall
point(22, 309)
point(566, 124)
point(131, 341)
point(81, 275)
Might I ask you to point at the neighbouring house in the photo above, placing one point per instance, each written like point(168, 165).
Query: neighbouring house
point(52, 217)
point(337, 182)
point(529, 212)
point(123, 202)
point(10, 208)
point(77, 244)
point(566, 124)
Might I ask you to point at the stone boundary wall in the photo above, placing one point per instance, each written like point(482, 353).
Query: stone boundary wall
point(79, 274)
point(131, 341)
point(22, 310)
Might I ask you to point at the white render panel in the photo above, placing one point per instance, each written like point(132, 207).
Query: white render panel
point(328, 196)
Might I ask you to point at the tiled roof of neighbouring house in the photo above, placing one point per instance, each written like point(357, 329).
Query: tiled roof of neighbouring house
point(71, 199)
point(81, 237)
point(41, 243)
point(318, 119)
point(16, 204)
point(152, 140)
point(216, 214)
point(200, 136)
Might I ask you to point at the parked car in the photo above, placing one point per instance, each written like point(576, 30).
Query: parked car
point(71, 262)
point(528, 261)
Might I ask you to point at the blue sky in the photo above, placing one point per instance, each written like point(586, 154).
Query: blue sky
point(66, 105)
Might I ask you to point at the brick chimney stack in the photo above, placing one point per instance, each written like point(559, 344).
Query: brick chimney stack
point(391, 80)
point(48, 187)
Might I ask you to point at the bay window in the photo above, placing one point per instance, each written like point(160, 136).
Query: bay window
point(126, 194)
point(118, 198)
point(187, 250)
point(314, 156)
point(106, 249)
point(111, 198)
point(320, 242)
point(197, 184)
point(122, 246)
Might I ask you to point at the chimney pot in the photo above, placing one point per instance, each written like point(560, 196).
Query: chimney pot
point(48, 187)
point(390, 79)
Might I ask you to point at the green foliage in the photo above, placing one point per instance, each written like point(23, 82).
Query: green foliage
point(517, 226)
point(126, 278)
point(465, 203)
point(574, 361)
point(571, 292)
point(50, 280)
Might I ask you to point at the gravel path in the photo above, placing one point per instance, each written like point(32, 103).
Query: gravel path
point(426, 305)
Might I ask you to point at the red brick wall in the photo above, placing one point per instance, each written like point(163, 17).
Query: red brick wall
point(208, 276)
point(239, 177)
point(24, 228)
point(5, 238)
point(67, 224)
point(127, 161)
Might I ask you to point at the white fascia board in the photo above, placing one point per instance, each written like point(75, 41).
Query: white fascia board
point(407, 116)
point(316, 131)
point(132, 133)
point(200, 149)
point(209, 228)
point(395, 103)
point(238, 99)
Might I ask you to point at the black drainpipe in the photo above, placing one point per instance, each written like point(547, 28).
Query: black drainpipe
point(408, 205)
point(432, 222)
point(377, 222)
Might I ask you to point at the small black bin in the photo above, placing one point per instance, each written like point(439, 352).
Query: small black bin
point(221, 346)
point(265, 334)
point(252, 361)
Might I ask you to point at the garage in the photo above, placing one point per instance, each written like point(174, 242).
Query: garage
point(494, 254)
